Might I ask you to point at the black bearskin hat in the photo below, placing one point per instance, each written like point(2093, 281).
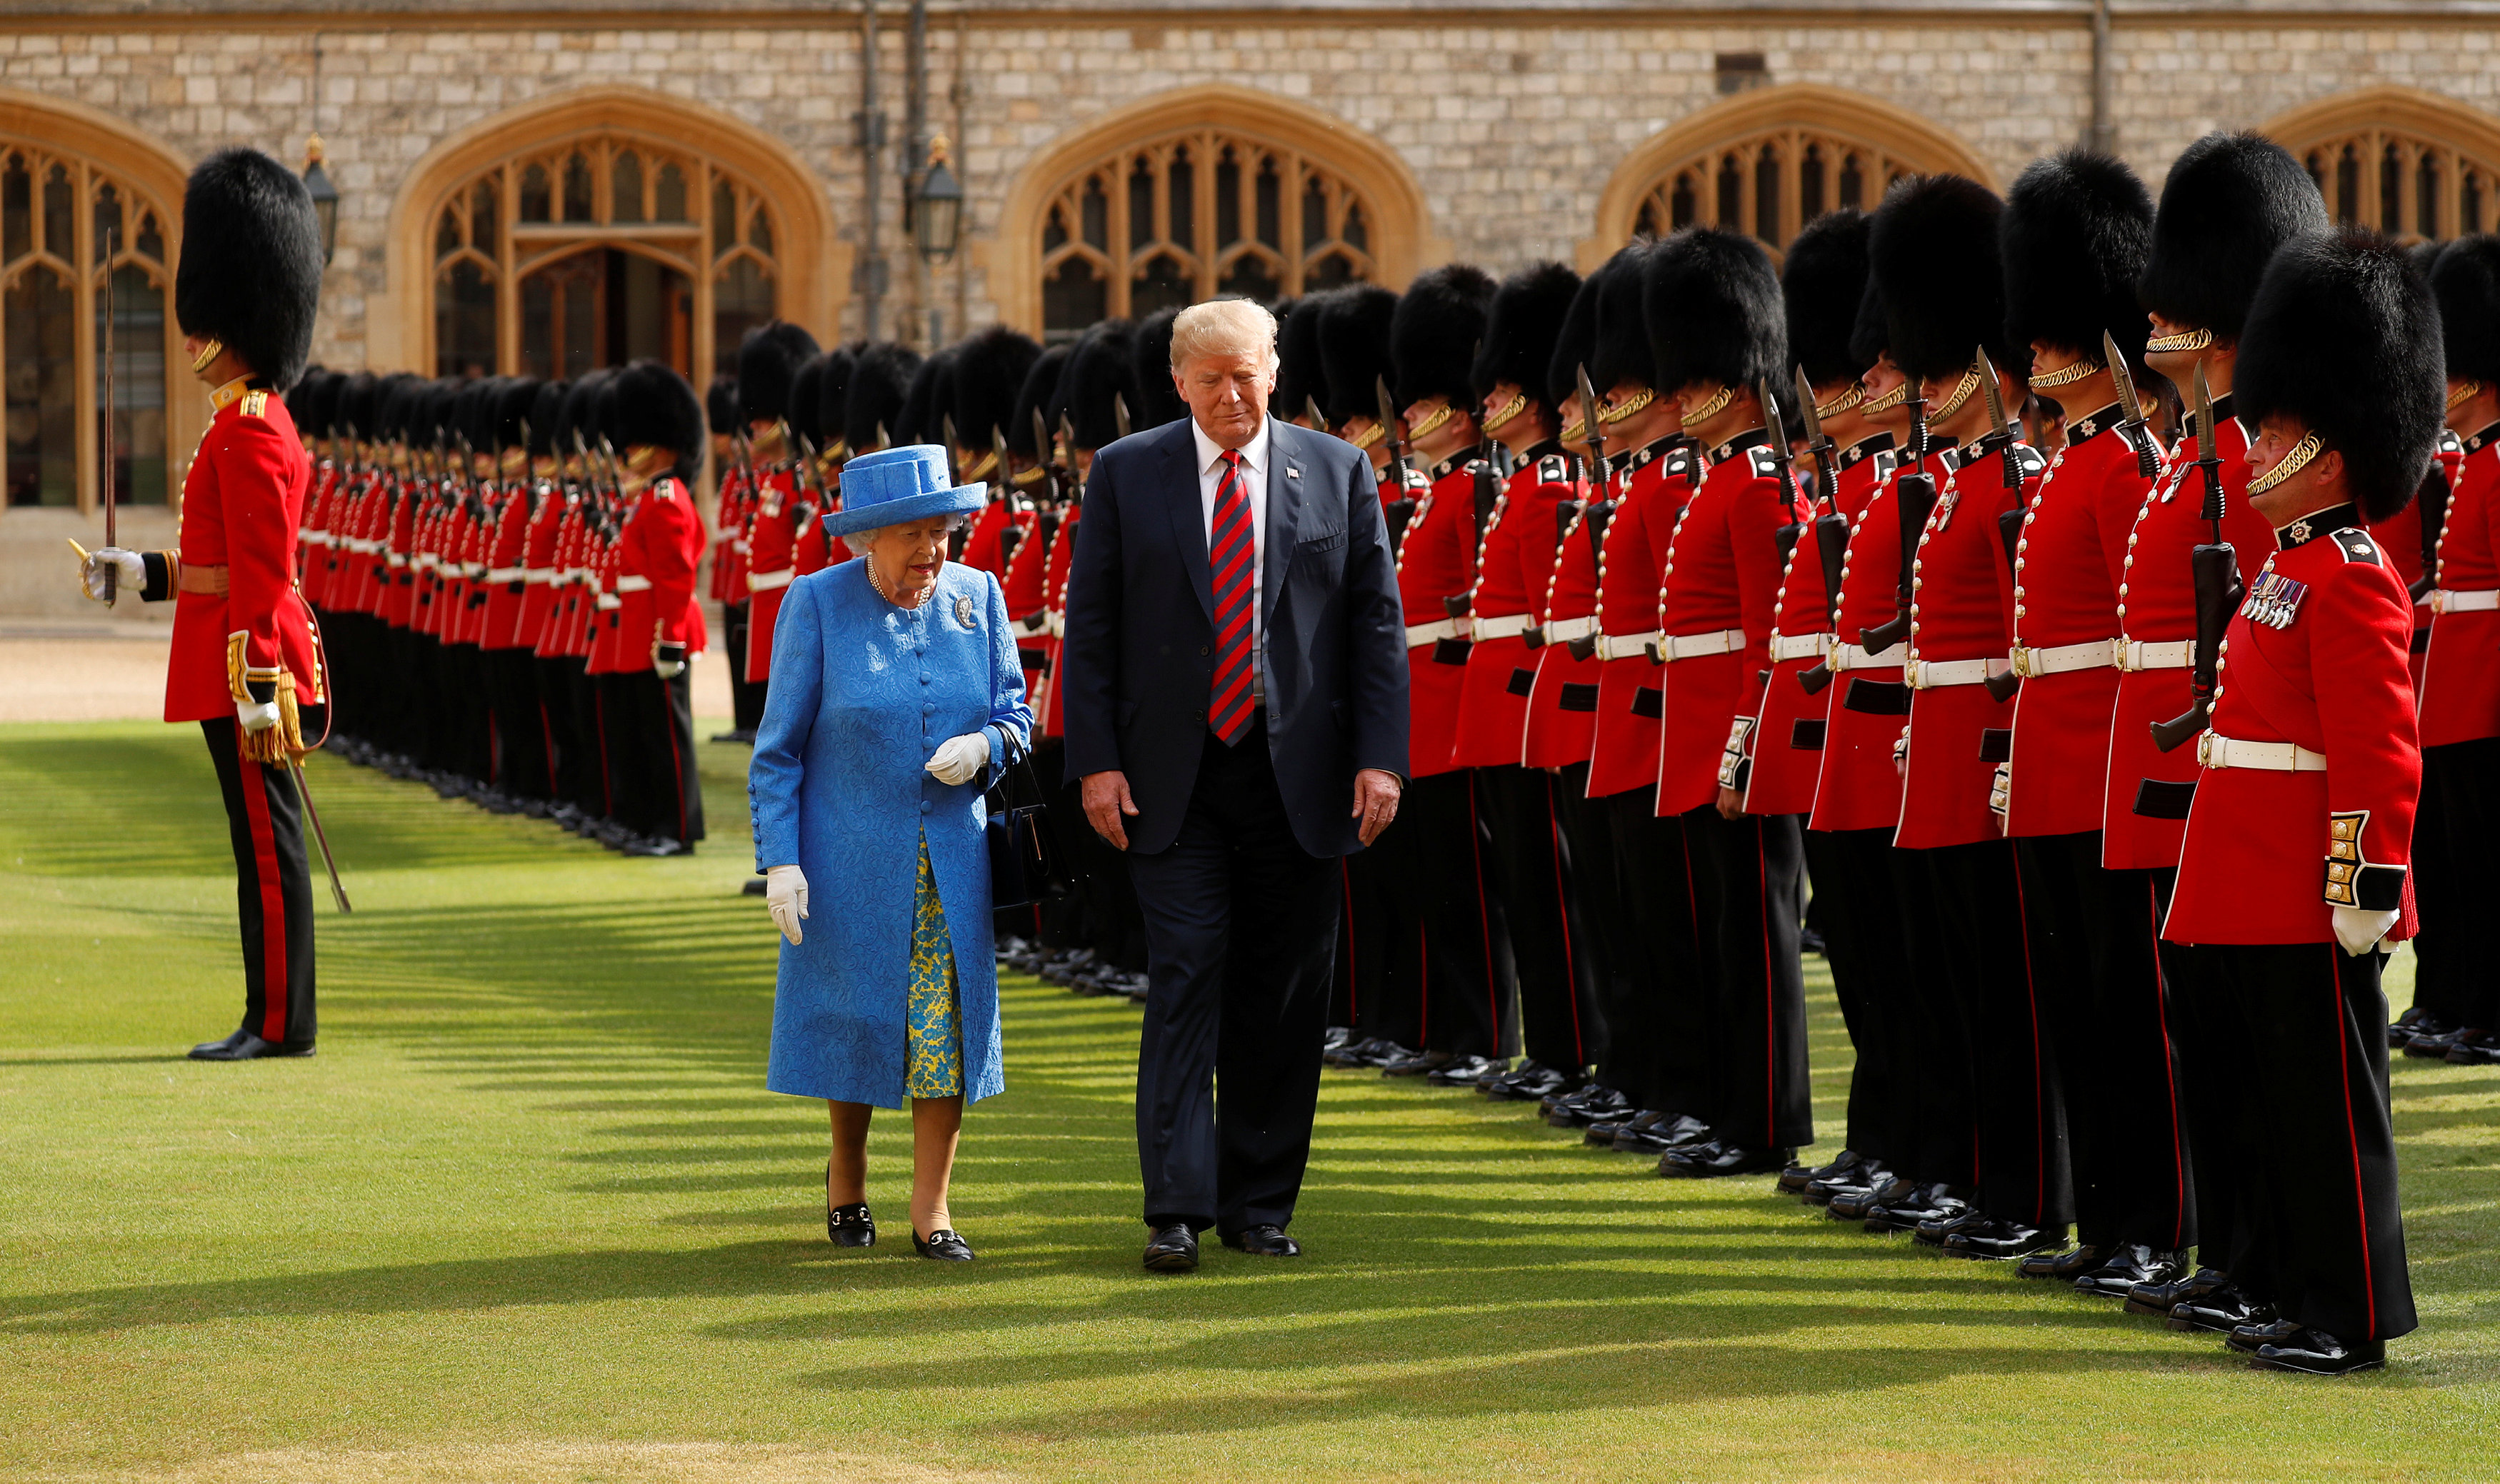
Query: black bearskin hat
point(1434, 334)
point(1354, 351)
point(359, 405)
point(581, 419)
point(323, 404)
point(2345, 336)
point(1872, 335)
point(2466, 277)
point(807, 415)
point(1521, 328)
point(834, 392)
point(1037, 394)
point(250, 271)
point(1575, 344)
point(394, 404)
point(1300, 378)
point(546, 414)
point(1157, 401)
point(441, 417)
point(474, 413)
point(1933, 252)
point(1711, 302)
point(1622, 355)
point(512, 409)
point(1101, 367)
point(881, 377)
point(2230, 201)
point(767, 359)
point(657, 406)
point(2077, 229)
point(928, 402)
point(720, 407)
point(1821, 284)
point(299, 399)
point(990, 369)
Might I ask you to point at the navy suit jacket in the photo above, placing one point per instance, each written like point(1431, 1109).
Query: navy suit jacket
point(1138, 658)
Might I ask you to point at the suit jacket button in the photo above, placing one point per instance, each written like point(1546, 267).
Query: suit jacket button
point(1202, 648)
point(1201, 713)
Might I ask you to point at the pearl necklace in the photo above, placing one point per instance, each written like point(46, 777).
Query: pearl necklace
point(916, 604)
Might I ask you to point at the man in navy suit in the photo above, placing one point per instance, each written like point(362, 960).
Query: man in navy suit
point(1235, 707)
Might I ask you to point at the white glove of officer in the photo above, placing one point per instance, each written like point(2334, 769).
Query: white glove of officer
point(132, 572)
point(786, 896)
point(960, 759)
point(2359, 931)
point(256, 715)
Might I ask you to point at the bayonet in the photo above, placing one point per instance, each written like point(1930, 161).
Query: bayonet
point(1311, 411)
point(2214, 567)
point(1914, 494)
point(2131, 426)
point(1595, 433)
point(1120, 413)
point(2008, 523)
point(1781, 458)
point(2209, 457)
point(1831, 529)
point(1396, 441)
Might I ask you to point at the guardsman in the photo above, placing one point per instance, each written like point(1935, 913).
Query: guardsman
point(1857, 897)
point(1935, 252)
point(1717, 332)
point(2457, 988)
point(2229, 202)
point(2078, 228)
point(768, 361)
point(987, 370)
point(1536, 867)
point(729, 551)
point(522, 775)
point(2293, 877)
point(245, 661)
point(550, 504)
point(1301, 378)
point(659, 625)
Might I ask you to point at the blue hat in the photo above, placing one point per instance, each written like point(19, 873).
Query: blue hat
point(895, 486)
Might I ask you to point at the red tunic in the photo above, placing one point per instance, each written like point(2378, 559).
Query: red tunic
point(1563, 707)
point(2315, 657)
point(1787, 746)
point(773, 539)
point(656, 577)
point(312, 538)
point(538, 570)
point(1650, 490)
point(982, 546)
point(1719, 589)
point(2157, 606)
point(1025, 588)
point(1436, 563)
point(507, 570)
point(2460, 695)
point(243, 501)
point(1063, 557)
point(2066, 615)
point(1961, 615)
point(729, 546)
point(1514, 563)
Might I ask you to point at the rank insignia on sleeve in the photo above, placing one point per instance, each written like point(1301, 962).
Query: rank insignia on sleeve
point(2274, 600)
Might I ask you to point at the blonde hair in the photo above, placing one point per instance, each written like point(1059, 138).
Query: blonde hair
point(1224, 327)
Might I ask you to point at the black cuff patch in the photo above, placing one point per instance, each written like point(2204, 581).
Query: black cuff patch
point(1522, 682)
point(2155, 798)
point(1805, 735)
point(1578, 698)
point(1996, 744)
point(1649, 700)
point(1877, 698)
point(1450, 651)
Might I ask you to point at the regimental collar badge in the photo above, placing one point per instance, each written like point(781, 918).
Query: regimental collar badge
point(2317, 524)
point(963, 612)
point(2274, 600)
point(1861, 451)
point(2475, 443)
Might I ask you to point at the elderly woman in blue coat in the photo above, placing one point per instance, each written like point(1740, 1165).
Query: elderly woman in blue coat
point(896, 694)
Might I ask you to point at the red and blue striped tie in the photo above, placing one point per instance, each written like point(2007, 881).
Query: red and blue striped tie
point(1230, 550)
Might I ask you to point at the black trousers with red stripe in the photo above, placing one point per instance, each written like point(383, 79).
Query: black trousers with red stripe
point(1760, 1093)
point(1440, 880)
point(520, 729)
point(2094, 943)
point(1973, 912)
point(1376, 986)
point(745, 696)
point(1663, 956)
point(1859, 896)
point(1589, 840)
point(1534, 877)
point(2315, 1225)
point(651, 755)
point(2456, 879)
point(273, 884)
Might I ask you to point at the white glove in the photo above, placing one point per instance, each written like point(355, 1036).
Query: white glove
point(256, 715)
point(786, 896)
point(133, 572)
point(959, 758)
point(2359, 931)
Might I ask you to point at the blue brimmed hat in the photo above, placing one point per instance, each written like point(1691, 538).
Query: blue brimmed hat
point(895, 486)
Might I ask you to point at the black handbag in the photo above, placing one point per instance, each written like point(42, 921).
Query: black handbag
point(1023, 865)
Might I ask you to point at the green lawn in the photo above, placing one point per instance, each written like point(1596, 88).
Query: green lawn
point(530, 1216)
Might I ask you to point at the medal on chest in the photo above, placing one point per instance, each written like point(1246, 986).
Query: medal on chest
point(2274, 600)
point(1945, 504)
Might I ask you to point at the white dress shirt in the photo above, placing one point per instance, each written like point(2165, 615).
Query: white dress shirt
point(1254, 485)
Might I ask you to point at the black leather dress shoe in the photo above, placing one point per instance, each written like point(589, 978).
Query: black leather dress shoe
point(2134, 1264)
point(2221, 1311)
point(1528, 1083)
point(1861, 1181)
point(655, 847)
point(2003, 1241)
point(1797, 1176)
point(752, 886)
point(1935, 1231)
point(1660, 1134)
point(1592, 1105)
point(1892, 1190)
point(1417, 1064)
point(1603, 1132)
point(2473, 1049)
point(1462, 1071)
point(2314, 1352)
point(2432, 1037)
point(2249, 1339)
point(1713, 1158)
point(851, 1226)
point(1171, 1249)
point(2160, 1299)
point(2401, 1030)
point(244, 1046)
point(1335, 1036)
point(2066, 1266)
point(945, 1245)
point(1263, 1241)
point(1934, 1201)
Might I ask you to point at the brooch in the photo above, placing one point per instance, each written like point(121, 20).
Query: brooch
point(963, 612)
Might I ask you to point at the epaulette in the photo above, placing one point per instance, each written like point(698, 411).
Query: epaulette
point(2358, 546)
point(1766, 464)
point(256, 404)
point(1553, 469)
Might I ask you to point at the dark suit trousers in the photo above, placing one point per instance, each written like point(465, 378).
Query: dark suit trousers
point(1241, 928)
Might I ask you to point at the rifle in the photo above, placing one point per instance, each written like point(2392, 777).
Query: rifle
point(1403, 508)
point(1830, 530)
point(2432, 500)
point(1915, 495)
point(1787, 536)
point(2008, 523)
point(1594, 432)
point(2215, 569)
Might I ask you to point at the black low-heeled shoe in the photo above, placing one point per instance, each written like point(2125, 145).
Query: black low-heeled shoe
point(945, 1245)
point(851, 1226)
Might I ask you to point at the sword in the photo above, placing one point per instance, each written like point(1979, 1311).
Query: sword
point(112, 471)
point(2131, 426)
point(321, 838)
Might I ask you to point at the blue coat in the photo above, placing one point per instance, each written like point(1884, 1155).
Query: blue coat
point(862, 693)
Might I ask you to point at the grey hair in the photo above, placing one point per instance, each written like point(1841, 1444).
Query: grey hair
point(1224, 327)
point(860, 541)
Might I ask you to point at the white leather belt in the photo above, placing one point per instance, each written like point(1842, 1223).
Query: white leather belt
point(509, 575)
point(2449, 600)
point(1799, 647)
point(610, 600)
point(1508, 626)
point(425, 561)
point(397, 560)
point(2213, 750)
point(1570, 631)
point(1624, 646)
point(1433, 633)
point(1692, 646)
point(312, 538)
point(626, 585)
point(1848, 657)
point(537, 574)
point(767, 581)
point(1934, 674)
point(473, 571)
point(2059, 659)
point(1055, 623)
point(2163, 654)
